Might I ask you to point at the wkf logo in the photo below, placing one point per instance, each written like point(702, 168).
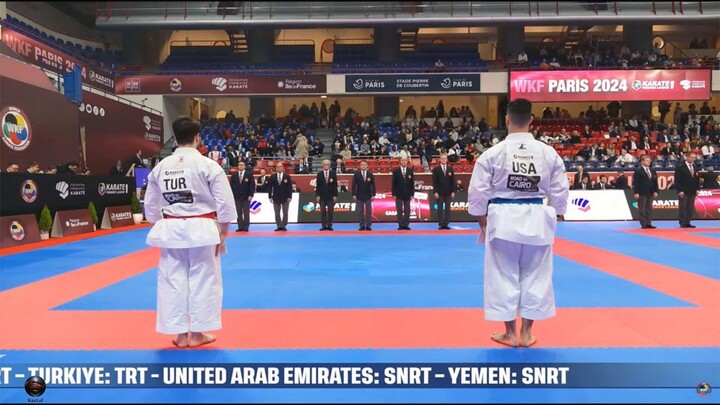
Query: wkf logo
point(15, 129)
point(255, 207)
point(29, 191)
point(581, 203)
point(17, 231)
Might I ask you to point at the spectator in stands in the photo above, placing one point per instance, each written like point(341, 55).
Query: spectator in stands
point(230, 117)
point(645, 144)
point(590, 113)
point(630, 144)
point(714, 111)
point(68, 168)
point(579, 176)
point(664, 109)
point(404, 153)
point(51, 170)
point(621, 182)
point(677, 113)
point(707, 150)
point(606, 152)
point(262, 183)
point(663, 137)
point(365, 148)
point(34, 168)
point(554, 63)
point(439, 66)
point(625, 157)
point(323, 116)
point(671, 151)
point(602, 114)
point(346, 154)
point(494, 139)
point(584, 184)
point(523, 58)
point(215, 155)
point(544, 65)
point(613, 109)
point(705, 109)
point(117, 170)
point(410, 113)
point(339, 166)
point(602, 184)
point(301, 147)
point(440, 109)
point(711, 180)
point(547, 113)
point(575, 138)
point(587, 134)
point(317, 148)
point(233, 156)
point(459, 186)
point(137, 160)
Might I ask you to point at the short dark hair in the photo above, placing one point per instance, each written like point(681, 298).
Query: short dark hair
point(520, 111)
point(12, 164)
point(185, 129)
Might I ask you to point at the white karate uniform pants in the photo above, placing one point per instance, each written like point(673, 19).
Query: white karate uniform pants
point(190, 293)
point(518, 281)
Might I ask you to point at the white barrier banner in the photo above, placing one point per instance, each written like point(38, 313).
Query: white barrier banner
point(263, 212)
point(597, 205)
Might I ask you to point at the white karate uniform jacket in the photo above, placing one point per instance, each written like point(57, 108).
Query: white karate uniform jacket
point(187, 184)
point(517, 168)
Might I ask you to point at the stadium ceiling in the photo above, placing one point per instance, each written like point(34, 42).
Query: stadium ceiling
point(248, 15)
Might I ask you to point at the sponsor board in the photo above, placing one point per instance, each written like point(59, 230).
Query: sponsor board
point(115, 217)
point(18, 230)
point(262, 210)
point(665, 206)
point(228, 84)
point(597, 205)
point(72, 222)
point(400, 83)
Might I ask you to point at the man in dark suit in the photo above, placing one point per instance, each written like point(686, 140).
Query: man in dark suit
point(621, 182)
point(340, 166)
point(233, 156)
point(645, 187)
point(263, 182)
point(243, 188)
point(117, 170)
point(602, 184)
point(444, 188)
point(711, 179)
point(137, 160)
point(403, 189)
point(363, 191)
point(687, 182)
point(581, 173)
point(630, 145)
point(280, 196)
point(326, 191)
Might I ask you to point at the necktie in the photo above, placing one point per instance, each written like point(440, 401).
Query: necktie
point(443, 167)
point(326, 176)
point(363, 173)
point(279, 178)
point(242, 175)
point(648, 172)
point(602, 186)
point(692, 170)
point(403, 172)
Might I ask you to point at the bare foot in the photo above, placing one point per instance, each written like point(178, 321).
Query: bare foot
point(504, 339)
point(527, 342)
point(202, 339)
point(181, 341)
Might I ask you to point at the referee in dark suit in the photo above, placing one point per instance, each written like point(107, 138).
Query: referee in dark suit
point(326, 191)
point(243, 188)
point(363, 191)
point(444, 188)
point(645, 187)
point(280, 196)
point(403, 189)
point(687, 182)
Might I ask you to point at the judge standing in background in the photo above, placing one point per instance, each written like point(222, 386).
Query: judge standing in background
point(243, 188)
point(444, 188)
point(687, 182)
point(403, 189)
point(326, 192)
point(363, 191)
point(280, 196)
point(645, 187)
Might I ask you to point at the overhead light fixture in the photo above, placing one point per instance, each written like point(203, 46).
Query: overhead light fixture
point(323, 96)
point(401, 100)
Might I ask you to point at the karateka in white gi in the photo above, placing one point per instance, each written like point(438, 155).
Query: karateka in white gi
point(190, 202)
point(507, 189)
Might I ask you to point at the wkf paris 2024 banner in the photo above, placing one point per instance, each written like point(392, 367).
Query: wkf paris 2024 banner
point(46, 57)
point(611, 85)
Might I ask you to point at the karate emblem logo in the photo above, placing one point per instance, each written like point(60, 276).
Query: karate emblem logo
point(704, 390)
point(17, 231)
point(255, 207)
point(29, 191)
point(15, 129)
point(310, 207)
point(62, 189)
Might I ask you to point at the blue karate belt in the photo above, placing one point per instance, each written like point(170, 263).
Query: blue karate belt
point(516, 201)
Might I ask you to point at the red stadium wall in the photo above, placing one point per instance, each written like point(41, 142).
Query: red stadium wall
point(38, 123)
point(115, 130)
